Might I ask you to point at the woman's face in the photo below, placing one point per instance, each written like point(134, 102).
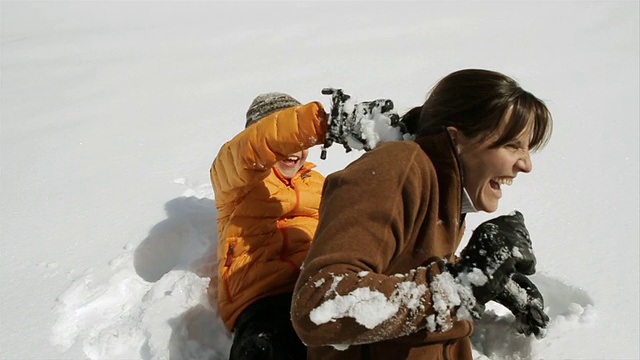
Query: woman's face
point(289, 166)
point(486, 170)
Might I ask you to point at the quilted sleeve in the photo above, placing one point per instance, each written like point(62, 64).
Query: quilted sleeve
point(249, 156)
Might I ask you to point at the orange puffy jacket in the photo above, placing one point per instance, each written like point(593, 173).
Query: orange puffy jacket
point(265, 222)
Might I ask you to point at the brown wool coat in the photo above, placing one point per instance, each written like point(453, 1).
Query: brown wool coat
point(265, 222)
point(383, 219)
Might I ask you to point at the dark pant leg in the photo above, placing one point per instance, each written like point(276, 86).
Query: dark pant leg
point(263, 331)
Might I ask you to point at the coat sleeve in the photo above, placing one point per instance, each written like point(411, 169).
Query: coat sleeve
point(248, 158)
point(342, 296)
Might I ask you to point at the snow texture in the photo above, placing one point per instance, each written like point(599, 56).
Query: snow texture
point(371, 126)
point(112, 112)
point(367, 307)
point(447, 294)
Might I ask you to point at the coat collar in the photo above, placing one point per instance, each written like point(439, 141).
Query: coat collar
point(467, 204)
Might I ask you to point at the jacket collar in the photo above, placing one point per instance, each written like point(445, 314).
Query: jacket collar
point(467, 204)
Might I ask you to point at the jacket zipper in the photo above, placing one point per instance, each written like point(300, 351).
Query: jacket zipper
point(285, 240)
point(284, 246)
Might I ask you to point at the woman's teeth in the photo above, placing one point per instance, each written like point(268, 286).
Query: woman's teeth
point(503, 181)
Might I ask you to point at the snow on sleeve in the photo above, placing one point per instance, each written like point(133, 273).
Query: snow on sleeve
point(368, 307)
point(450, 297)
point(334, 284)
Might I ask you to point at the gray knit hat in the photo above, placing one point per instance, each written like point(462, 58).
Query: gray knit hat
point(268, 103)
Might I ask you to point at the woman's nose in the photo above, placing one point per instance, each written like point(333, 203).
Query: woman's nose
point(524, 163)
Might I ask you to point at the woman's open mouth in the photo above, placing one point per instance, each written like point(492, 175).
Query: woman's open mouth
point(496, 183)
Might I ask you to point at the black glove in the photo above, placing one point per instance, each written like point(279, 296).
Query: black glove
point(345, 125)
point(498, 248)
point(337, 126)
point(525, 301)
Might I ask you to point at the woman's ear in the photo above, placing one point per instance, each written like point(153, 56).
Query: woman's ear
point(453, 132)
point(455, 136)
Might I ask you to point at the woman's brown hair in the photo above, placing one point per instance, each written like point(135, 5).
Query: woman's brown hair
point(476, 102)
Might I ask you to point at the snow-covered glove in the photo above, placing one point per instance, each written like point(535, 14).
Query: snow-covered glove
point(361, 125)
point(524, 300)
point(497, 249)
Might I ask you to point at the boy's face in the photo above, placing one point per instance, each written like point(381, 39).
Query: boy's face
point(289, 166)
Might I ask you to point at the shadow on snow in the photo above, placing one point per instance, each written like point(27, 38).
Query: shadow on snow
point(187, 240)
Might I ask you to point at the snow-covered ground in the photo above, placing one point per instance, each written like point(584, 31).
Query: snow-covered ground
point(113, 111)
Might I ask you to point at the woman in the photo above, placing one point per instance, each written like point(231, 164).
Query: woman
point(373, 285)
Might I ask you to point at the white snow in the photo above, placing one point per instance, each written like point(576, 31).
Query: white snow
point(450, 294)
point(367, 307)
point(111, 113)
point(474, 277)
point(373, 127)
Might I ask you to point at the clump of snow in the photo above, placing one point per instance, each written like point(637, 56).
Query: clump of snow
point(517, 292)
point(410, 295)
point(369, 308)
point(371, 125)
point(447, 294)
point(334, 284)
point(340, 347)
point(473, 277)
point(515, 251)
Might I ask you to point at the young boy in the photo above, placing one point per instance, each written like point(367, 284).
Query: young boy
point(267, 196)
